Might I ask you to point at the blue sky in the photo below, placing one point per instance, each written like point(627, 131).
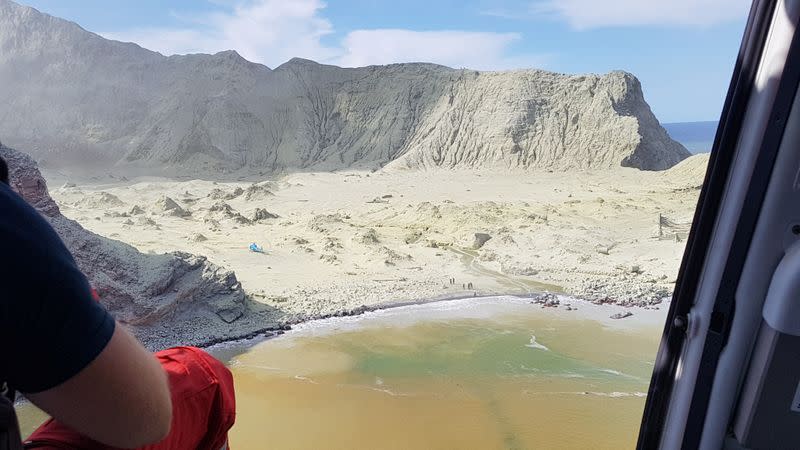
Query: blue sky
point(682, 50)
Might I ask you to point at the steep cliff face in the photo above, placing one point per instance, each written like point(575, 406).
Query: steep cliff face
point(166, 299)
point(526, 119)
point(71, 95)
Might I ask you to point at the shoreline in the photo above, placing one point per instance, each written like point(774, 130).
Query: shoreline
point(543, 299)
point(232, 346)
point(270, 332)
point(277, 330)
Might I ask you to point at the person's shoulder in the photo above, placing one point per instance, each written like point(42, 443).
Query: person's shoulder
point(47, 310)
point(13, 206)
point(24, 232)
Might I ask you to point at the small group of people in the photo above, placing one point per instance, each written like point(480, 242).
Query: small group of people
point(452, 281)
point(69, 356)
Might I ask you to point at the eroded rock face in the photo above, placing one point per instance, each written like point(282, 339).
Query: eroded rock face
point(28, 182)
point(261, 214)
point(220, 112)
point(167, 299)
point(480, 239)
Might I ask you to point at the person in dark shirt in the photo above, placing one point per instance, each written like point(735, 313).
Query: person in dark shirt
point(62, 349)
point(47, 312)
point(3, 171)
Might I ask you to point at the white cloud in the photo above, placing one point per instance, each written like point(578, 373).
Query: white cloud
point(265, 31)
point(273, 31)
point(474, 50)
point(583, 14)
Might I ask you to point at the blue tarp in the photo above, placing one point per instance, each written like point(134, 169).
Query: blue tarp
point(255, 248)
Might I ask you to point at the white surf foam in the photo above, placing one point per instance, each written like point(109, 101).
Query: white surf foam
point(536, 345)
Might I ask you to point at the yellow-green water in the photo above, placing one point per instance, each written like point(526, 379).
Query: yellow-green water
point(460, 375)
point(446, 382)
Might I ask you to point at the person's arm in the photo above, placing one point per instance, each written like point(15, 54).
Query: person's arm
point(120, 399)
point(64, 350)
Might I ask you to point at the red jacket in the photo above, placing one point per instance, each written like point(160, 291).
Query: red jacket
point(203, 407)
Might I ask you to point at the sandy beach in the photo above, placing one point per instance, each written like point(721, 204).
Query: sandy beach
point(337, 241)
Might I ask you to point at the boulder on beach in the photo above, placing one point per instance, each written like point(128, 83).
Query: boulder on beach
point(428, 211)
point(546, 300)
point(391, 257)
point(299, 241)
point(99, 200)
point(223, 211)
point(480, 240)
point(621, 315)
point(170, 207)
point(412, 237)
point(329, 258)
point(325, 223)
point(197, 237)
point(259, 191)
point(220, 194)
point(147, 222)
point(262, 214)
point(165, 203)
point(368, 237)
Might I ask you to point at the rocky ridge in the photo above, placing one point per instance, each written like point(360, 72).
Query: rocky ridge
point(169, 299)
point(221, 113)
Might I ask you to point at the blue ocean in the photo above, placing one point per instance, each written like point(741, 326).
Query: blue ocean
point(697, 137)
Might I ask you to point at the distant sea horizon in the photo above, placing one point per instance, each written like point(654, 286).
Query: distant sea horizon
point(697, 137)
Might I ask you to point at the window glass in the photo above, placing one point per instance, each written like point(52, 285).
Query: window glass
point(401, 224)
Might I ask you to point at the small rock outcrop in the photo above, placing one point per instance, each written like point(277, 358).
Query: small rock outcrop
point(480, 240)
point(223, 211)
point(368, 237)
point(261, 214)
point(547, 301)
point(197, 237)
point(219, 194)
point(259, 191)
point(100, 200)
point(170, 207)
